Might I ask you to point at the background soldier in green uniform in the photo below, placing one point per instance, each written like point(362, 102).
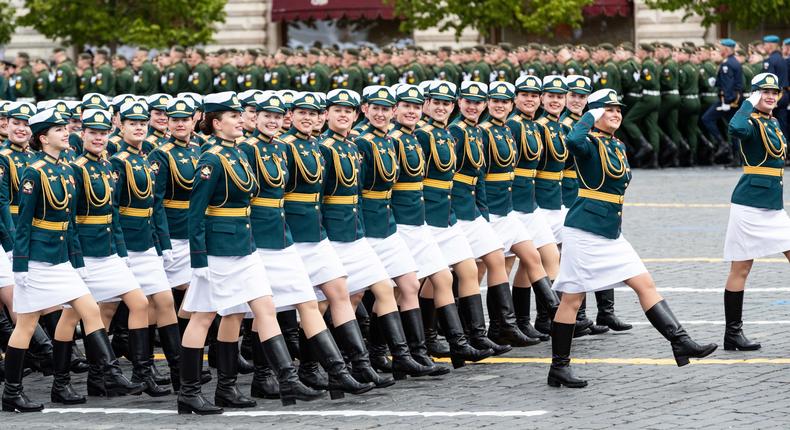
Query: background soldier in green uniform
point(672, 144)
point(447, 70)
point(200, 78)
point(64, 85)
point(480, 71)
point(124, 76)
point(317, 73)
point(174, 80)
point(105, 78)
point(146, 80)
point(582, 56)
point(43, 88)
point(566, 63)
point(641, 121)
point(689, 109)
point(87, 79)
point(278, 78)
point(225, 80)
point(23, 81)
point(608, 75)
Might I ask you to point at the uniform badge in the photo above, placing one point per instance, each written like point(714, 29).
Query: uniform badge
point(2, 171)
point(205, 172)
point(27, 186)
point(155, 167)
point(115, 175)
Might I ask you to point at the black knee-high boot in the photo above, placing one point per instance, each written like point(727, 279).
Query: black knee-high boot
point(120, 331)
point(402, 362)
point(108, 379)
point(49, 322)
point(500, 309)
point(546, 304)
point(310, 371)
point(521, 305)
point(582, 321)
point(436, 347)
point(14, 397)
point(264, 380)
point(140, 351)
point(62, 391)
point(560, 372)
point(604, 300)
point(683, 347)
point(377, 347)
point(291, 389)
point(159, 378)
point(227, 393)
point(171, 346)
point(460, 349)
point(340, 380)
point(289, 326)
point(352, 344)
point(39, 354)
point(190, 398)
point(734, 339)
point(247, 339)
point(415, 338)
point(470, 309)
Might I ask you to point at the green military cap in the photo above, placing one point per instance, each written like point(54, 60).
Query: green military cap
point(578, 84)
point(603, 98)
point(688, 49)
point(755, 42)
point(75, 108)
point(442, 90)
point(379, 95)
point(286, 51)
point(247, 98)
point(314, 51)
point(432, 51)
point(554, 84)
point(507, 47)
point(4, 108)
point(689, 44)
point(480, 48)
point(765, 81)
point(21, 110)
point(253, 52)
point(740, 52)
point(606, 47)
point(120, 99)
point(321, 100)
point(647, 47)
point(46, 119)
point(95, 101)
point(24, 55)
point(627, 44)
point(287, 96)
point(386, 50)
point(97, 119)
point(197, 99)
point(342, 97)
point(474, 91)
point(709, 46)
point(134, 110)
point(305, 100)
point(180, 108)
point(408, 93)
point(179, 48)
point(61, 107)
point(529, 84)
point(446, 49)
point(269, 101)
point(501, 90)
point(102, 51)
point(535, 46)
point(352, 51)
point(233, 51)
point(425, 87)
point(200, 51)
point(222, 102)
point(158, 101)
point(583, 46)
point(221, 51)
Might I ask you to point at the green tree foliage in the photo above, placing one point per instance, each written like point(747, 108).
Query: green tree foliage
point(7, 21)
point(743, 13)
point(533, 16)
point(153, 23)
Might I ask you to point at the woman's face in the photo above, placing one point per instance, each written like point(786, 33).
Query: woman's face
point(159, 120)
point(408, 114)
point(440, 110)
point(180, 128)
point(304, 120)
point(378, 115)
point(269, 123)
point(134, 131)
point(19, 132)
point(250, 118)
point(528, 102)
point(341, 118)
point(471, 109)
point(611, 119)
point(56, 138)
point(576, 102)
point(94, 141)
point(553, 103)
point(229, 125)
point(768, 100)
point(499, 108)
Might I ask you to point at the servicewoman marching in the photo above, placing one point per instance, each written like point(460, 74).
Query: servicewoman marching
point(226, 270)
point(530, 141)
point(104, 252)
point(595, 255)
point(408, 208)
point(306, 176)
point(758, 224)
point(145, 231)
point(45, 242)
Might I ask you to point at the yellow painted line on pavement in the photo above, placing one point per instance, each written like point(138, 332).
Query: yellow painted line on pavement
point(706, 260)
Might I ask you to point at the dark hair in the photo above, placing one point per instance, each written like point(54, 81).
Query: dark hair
point(35, 140)
point(207, 124)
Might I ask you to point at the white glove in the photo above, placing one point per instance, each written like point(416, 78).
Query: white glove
point(201, 272)
point(167, 254)
point(755, 98)
point(240, 79)
point(636, 76)
point(724, 107)
point(596, 78)
point(136, 78)
point(267, 77)
point(712, 82)
point(20, 278)
point(597, 113)
point(126, 261)
point(52, 77)
point(93, 79)
point(83, 272)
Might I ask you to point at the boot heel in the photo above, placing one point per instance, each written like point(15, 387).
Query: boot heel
point(289, 401)
point(336, 394)
point(8, 408)
point(398, 375)
point(730, 347)
point(458, 362)
point(184, 409)
point(553, 382)
point(681, 361)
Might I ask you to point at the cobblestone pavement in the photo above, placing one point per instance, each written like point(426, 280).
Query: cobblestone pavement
point(676, 220)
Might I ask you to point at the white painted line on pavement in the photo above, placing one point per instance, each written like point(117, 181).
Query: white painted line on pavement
point(709, 322)
point(337, 413)
point(719, 290)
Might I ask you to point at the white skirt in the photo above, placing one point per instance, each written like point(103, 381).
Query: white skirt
point(149, 270)
point(179, 271)
point(510, 230)
point(556, 220)
point(321, 261)
point(48, 285)
point(481, 236)
point(755, 232)
point(537, 227)
point(109, 278)
point(362, 264)
point(590, 262)
point(453, 243)
point(423, 247)
point(6, 272)
point(288, 277)
point(232, 281)
point(395, 255)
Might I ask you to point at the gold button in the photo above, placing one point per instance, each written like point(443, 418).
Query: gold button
point(355, 209)
point(68, 210)
point(509, 189)
point(448, 197)
point(422, 198)
point(316, 206)
point(61, 237)
point(626, 184)
point(619, 213)
point(69, 195)
point(388, 206)
point(109, 229)
point(473, 193)
point(247, 225)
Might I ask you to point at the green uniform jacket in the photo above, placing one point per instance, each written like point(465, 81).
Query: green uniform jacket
point(141, 216)
point(535, 68)
point(589, 70)
point(449, 73)
point(278, 78)
point(499, 150)
point(408, 203)
point(707, 83)
point(599, 217)
point(609, 77)
point(570, 185)
point(219, 206)
point(340, 208)
point(65, 84)
point(571, 67)
point(305, 183)
point(528, 136)
point(548, 187)
point(44, 89)
point(267, 162)
point(247, 79)
point(200, 80)
point(45, 230)
point(631, 87)
point(469, 199)
point(23, 83)
point(105, 80)
point(378, 173)
point(649, 78)
point(13, 161)
point(439, 171)
point(762, 145)
point(173, 164)
point(225, 80)
point(480, 72)
point(669, 76)
point(87, 82)
point(688, 81)
point(147, 81)
point(97, 220)
point(174, 80)
point(124, 81)
point(317, 79)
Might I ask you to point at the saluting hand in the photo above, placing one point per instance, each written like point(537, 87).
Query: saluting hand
point(597, 113)
point(755, 98)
